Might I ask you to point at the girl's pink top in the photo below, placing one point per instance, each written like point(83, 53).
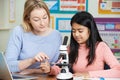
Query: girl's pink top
point(96, 69)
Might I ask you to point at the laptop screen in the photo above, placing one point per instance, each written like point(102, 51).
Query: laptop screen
point(4, 71)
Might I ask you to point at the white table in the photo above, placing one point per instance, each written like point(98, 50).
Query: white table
point(81, 78)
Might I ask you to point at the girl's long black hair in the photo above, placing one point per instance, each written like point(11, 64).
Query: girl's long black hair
point(86, 19)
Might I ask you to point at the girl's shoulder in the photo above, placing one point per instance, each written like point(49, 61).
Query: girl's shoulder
point(102, 44)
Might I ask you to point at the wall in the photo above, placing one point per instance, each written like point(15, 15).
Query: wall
point(3, 33)
point(4, 36)
point(1, 13)
point(5, 25)
point(93, 10)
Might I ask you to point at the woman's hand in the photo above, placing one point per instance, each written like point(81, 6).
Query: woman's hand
point(41, 57)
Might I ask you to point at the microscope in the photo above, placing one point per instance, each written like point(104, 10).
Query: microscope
point(64, 64)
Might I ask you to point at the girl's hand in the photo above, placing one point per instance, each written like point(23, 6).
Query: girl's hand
point(84, 74)
point(41, 57)
point(45, 66)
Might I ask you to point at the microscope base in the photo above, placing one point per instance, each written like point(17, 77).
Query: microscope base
point(66, 79)
point(65, 76)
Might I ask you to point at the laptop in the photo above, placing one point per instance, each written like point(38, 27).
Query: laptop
point(5, 73)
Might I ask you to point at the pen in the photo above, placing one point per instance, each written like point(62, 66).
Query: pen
point(101, 78)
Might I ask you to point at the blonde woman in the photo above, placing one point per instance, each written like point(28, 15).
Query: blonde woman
point(33, 41)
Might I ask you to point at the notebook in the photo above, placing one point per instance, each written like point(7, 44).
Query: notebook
point(5, 73)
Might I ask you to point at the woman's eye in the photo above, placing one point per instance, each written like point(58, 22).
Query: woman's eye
point(36, 20)
point(45, 17)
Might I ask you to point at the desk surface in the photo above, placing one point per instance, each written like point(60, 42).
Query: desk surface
point(46, 77)
point(39, 77)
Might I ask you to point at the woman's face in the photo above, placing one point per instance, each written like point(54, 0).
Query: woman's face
point(39, 20)
point(80, 33)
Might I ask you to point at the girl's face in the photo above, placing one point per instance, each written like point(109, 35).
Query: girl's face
point(39, 20)
point(80, 33)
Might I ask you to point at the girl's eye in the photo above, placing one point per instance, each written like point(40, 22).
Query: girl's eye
point(80, 31)
point(73, 31)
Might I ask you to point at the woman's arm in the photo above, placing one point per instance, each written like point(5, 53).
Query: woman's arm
point(13, 49)
point(44, 68)
point(23, 64)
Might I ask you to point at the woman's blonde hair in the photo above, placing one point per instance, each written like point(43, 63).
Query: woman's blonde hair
point(28, 7)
